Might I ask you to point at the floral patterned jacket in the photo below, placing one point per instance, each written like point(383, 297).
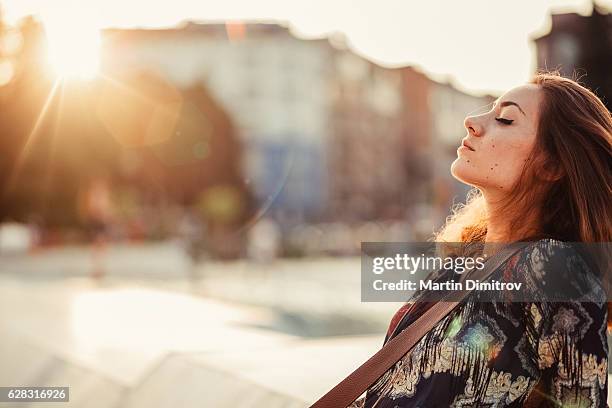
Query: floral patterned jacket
point(505, 354)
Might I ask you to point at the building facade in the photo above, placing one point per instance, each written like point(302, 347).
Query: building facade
point(274, 86)
point(580, 47)
point(328, 134)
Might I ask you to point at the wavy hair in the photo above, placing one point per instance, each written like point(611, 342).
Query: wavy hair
point(566, 180)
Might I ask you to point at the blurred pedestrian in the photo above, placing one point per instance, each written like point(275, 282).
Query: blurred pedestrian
point(99, 215)
point(264, 240)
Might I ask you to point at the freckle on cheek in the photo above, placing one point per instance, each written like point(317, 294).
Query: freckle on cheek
point(491, 168)
point(496, 164)
point(468, 161)
point(494, 146)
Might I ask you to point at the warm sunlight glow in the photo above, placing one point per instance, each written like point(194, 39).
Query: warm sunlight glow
point(146, 320)
point(73, 47)
point(388, 31)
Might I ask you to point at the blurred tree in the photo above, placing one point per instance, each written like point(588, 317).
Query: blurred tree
point(177, 143)
point(21, 101)
point(167, 146)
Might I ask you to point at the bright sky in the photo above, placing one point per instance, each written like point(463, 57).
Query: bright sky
point(483, 44)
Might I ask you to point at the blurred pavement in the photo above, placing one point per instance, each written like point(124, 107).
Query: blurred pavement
point(139, 340)
point(142, 347)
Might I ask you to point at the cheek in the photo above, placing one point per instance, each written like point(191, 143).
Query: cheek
point(503, 161)
point(496, 164)
point(512, 155)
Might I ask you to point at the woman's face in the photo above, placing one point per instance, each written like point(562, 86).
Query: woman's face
point(498, 142)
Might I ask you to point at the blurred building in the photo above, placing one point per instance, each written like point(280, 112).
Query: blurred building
point(328, 134)
point(199, 115)
point(366, 152)
point(580, 46)
point(274, 86)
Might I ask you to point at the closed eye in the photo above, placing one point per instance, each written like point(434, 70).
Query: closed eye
point(504, 121)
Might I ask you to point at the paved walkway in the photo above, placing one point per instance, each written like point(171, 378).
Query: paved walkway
point(123, 346)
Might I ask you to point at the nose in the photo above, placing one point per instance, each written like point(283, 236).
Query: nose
point(472, 126)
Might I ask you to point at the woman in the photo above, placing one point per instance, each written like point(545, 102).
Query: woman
point(541, 164)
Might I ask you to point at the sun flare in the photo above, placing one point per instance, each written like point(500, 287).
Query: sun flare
point(73, 48)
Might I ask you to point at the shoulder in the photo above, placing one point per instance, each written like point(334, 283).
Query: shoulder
point(552, 254)
point(547, 249)
point(561, 269)
point(541, 257)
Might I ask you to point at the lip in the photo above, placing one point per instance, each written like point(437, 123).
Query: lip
point(464, 143)
point(463, 149)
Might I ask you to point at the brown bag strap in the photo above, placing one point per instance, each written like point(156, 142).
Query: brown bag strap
point(349, 389)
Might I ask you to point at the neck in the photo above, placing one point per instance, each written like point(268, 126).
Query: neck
point(499, 224)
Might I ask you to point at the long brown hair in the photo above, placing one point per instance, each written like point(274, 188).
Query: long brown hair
point(567, 179)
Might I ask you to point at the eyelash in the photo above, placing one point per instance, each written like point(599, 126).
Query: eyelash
point(504, 121)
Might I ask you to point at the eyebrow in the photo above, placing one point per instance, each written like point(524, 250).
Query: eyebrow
point(510, 103)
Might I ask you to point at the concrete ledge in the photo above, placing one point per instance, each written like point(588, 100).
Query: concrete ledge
point(24, 364)
point(182, 382)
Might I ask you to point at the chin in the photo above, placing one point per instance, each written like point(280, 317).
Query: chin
point(462, 171)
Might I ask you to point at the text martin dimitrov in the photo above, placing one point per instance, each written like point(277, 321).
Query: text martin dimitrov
point(469, 284)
